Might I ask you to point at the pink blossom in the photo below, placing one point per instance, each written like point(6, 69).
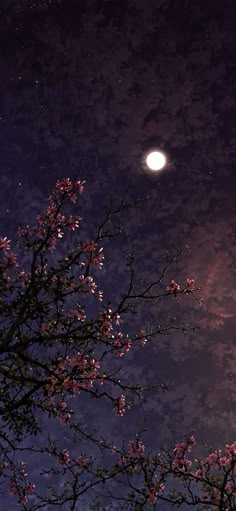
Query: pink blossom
point(198, 473)
point(64, 457)
point(231, 449)
point(62, 405)
point(60, 233)
point(72, 196)
point(121, 405)
point(51, 213)
point(99, 296)
point(78, 359)
point(143, 338)
point(60, 218)
point(30, 488)
point(82, 461)
point(187, 446)
point(214, 456)
point(5, 243)
point(190, 283)
point(118, 340)
point(117, 319)
point(181, 463)
point(74, 314)
point(70, 384)
point(125, 348)
point(173, 287)
point(98, 259)
point(94, 363)
point(91, 286)
point(79, 186)
point(154, 491)
point(73, 223)
point(40, 218)
point(88, 246)
point(65, 419)
point(191, 440)
point(18, 484)
point(223, 461)
point(136, 449)
point(106, 323)
point(65, 185)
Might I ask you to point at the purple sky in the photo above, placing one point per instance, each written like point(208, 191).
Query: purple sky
point(86, 89)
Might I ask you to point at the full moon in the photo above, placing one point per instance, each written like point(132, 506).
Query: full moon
point(156, 160)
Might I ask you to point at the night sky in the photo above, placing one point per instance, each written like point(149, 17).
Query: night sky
point(87, 88)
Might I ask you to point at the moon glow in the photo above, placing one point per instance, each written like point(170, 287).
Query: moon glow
point(156, 160)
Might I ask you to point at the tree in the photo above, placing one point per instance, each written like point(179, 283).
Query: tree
point(58, 347)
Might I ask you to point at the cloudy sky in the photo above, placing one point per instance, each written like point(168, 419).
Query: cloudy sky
point(87, 89)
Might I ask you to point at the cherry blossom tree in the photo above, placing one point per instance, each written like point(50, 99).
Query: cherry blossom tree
point(60, 343)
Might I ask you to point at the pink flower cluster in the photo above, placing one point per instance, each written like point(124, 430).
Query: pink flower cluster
point(87, 373)
point(120, 406)
point(208, 471)
point(66, 186)
point(5, 244)
point(136, 454)
point(53, 219)
point(95, 256)
point(180, 461)
point(154, 492)
point(18, 483)
point(59, 408)
point(190, 283)
point(74, 314)
point(88, 285)
point(174, 288)
point(143, 338)
point(83, 461)
point(63, 458)
point(73, 223)
point(135, 450)
point(120, 343)
point(8, 263)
